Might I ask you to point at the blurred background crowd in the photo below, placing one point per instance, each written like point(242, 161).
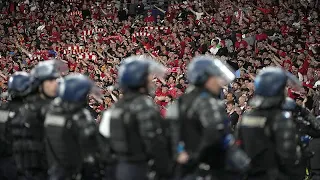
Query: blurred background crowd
point(93, 36)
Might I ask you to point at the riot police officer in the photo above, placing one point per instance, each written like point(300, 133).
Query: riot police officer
point(71, 132)
point(315, 160)
point(134, 124)
point(27, 126)
point(18, 88)
point(201, 139)
point(267, 133)
point(307, 127)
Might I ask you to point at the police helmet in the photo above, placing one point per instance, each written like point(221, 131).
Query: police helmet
point(19, 84)
point(76, 88)
point(46, 70)
point(272, 81)
point(270, 85)
point(133, 72)
point(204, 66)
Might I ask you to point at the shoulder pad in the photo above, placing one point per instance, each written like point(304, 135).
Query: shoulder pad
point(173, 111)
point(142, 102)
point(214, 103)
point(83, 114)
point(104, 127)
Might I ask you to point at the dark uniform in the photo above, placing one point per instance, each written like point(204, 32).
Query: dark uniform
point(267, 133)
point(27, 126)
point(134, 126)
point(307, 127)
point(71, 132)
point(7, 167)
point(315, 160)
point(18, 85)
point(28, 139)
point(199, 121)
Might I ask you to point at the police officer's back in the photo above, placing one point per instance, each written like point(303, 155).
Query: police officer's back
point(199, 123)
point(307, 127)
point(18, 88)
point(315, 160)
point(71, 132)
point(134, 125)
point(267, 133)
point(27, 125)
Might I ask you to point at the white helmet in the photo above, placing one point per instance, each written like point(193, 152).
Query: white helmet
point(316, 84)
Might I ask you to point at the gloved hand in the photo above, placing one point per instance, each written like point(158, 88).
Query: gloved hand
point(236, 158)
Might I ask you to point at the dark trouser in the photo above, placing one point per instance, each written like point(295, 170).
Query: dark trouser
point(110, 172)
point(32, 175)
point(58, 173)
point(269, 176)
point(315, 177)
point(131, 171)
point(92, 171)
point(315, 174)
point(8, 169)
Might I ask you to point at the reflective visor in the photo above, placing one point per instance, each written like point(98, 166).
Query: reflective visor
point(226, 74)
point(294, 83)
point(96, 93)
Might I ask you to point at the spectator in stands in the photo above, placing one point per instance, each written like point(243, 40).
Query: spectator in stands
point(93, 37)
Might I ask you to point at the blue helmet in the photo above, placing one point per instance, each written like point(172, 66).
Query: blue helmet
point(19, 84)
point(203, 67)
point(272, 81)
point(270, 87)
point(76, 88)
point(47, 70)
point(133, 72)
point(289, 104)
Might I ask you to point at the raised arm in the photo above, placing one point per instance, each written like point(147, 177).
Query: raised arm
point(161, 10)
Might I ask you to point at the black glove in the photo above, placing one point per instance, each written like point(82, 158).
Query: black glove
point(237, 159)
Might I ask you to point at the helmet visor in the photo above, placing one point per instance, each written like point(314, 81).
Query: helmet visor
point(49, 68)
point(156, 69)
point(225, 75)
point(61, 66)
point(96, 93)
point(294, 83)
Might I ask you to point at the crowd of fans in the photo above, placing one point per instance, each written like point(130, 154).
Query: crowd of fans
point(93, 36)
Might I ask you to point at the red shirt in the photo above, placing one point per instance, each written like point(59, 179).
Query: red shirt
point(173, 92)
point(243, 42)
point(284, 30)
point(169, 16)
point(149, 19)
point(163, 111)
point(228, 20)
point(265, 11)
point(158, 92)
point(72, 66)
point(304, 68)
point(261, 37)
point(282, 53)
